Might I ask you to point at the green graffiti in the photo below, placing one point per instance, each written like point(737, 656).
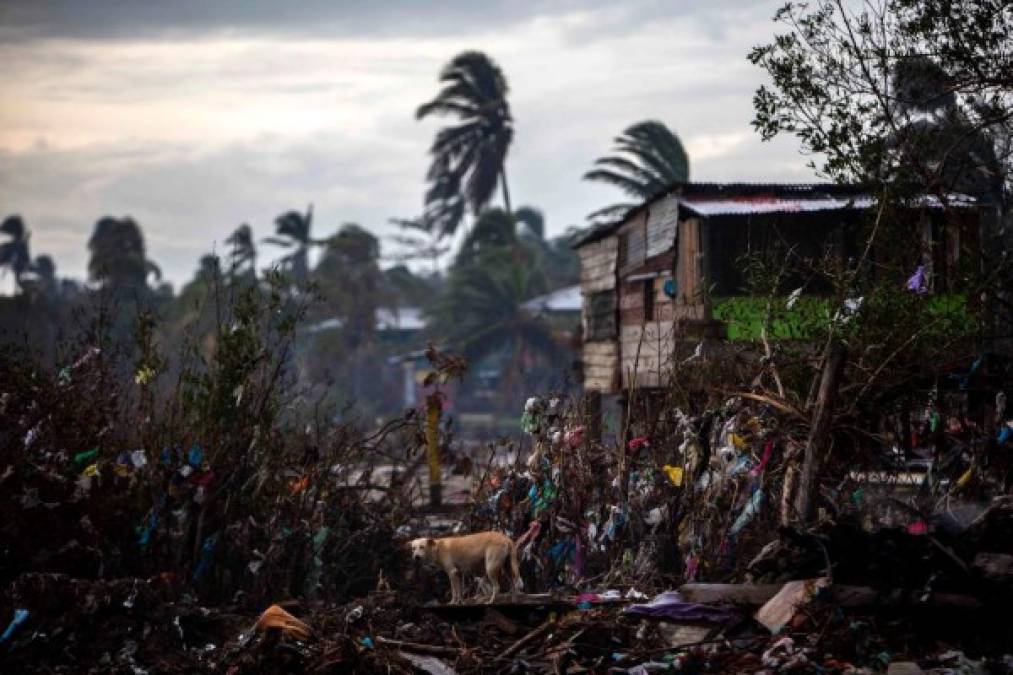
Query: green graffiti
point(810, 316)
point(744, 317)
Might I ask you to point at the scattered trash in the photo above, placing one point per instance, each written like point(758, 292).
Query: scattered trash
point(276, 618)
point(670, 605)
point(19, 618)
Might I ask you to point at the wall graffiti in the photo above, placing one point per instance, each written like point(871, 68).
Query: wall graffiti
point(745, 315)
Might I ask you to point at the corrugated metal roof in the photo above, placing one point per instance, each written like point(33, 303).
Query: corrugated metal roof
point(697, 190)
point(403, 318)
point(561, 300)
point(758, 205)
point(711, 199)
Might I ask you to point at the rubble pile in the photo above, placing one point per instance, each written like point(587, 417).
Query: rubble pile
point(674, 547)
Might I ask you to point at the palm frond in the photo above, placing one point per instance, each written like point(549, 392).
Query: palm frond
point(628, 185)
point(649, 181)
point(276, 241)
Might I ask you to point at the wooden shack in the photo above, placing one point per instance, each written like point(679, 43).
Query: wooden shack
point(668, 275)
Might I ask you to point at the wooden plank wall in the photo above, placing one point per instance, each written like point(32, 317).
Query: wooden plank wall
point(649, 368)
point(631, 298)
point(600, 366)
point(690, 264)
point(656, 338)
point(598, 265)
point(633, 250)
point(597, 275)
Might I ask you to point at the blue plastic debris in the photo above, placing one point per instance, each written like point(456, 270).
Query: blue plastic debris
point(206, 558)
point(196, 456)
point(749, 512)
point(19, 618)
point(146, 531)
point(366, 642)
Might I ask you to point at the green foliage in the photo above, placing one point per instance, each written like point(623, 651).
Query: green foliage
point(911, 93)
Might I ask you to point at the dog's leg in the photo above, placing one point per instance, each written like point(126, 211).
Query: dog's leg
point(455, 586)
point(492, 570)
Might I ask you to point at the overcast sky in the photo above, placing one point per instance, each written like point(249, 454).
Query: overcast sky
point(194, 117)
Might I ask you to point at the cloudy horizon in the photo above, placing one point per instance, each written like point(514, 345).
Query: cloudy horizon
point(195, 119)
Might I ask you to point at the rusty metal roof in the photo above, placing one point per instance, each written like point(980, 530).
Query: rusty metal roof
point(712, 199)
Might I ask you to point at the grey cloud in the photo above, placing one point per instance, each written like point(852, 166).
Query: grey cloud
point(132, 19)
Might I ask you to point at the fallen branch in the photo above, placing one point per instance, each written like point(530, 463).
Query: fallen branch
point(527, 639)
point(434, 650)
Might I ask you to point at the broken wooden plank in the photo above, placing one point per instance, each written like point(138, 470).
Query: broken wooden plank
point(777, 612)
point(736, 594)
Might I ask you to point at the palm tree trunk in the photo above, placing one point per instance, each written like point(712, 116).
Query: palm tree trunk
point(506, 191)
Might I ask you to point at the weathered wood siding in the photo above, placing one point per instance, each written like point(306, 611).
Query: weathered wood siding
point(689, 268)
point(598, 315)
point(600, 373)
point(662, 221)
point(646, 312)
point(598, 265)
point(646, 354)
point(633, 243)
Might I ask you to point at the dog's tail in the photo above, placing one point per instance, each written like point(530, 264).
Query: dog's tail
point(515, 568)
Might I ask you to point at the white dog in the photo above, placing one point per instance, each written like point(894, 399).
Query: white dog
point(486, 552)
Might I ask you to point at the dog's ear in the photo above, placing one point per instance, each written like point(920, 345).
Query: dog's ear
point(430, 542)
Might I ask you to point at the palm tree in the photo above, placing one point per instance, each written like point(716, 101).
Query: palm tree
point(482, 309)
point(421, 238)
point(495, 228)
point(351, 282)
point(244, 251)
point(118, 254)
point(44, 270)
point(648, 158)
point(293, 229)
point(14, 252)
point(533, 221)
point(468, 158)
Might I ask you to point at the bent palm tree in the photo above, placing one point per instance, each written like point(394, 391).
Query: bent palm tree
point(244, 251)
point(14, 253)
point(468, 158)
point(293, 229)
point(648, 158)
point(118, 254)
